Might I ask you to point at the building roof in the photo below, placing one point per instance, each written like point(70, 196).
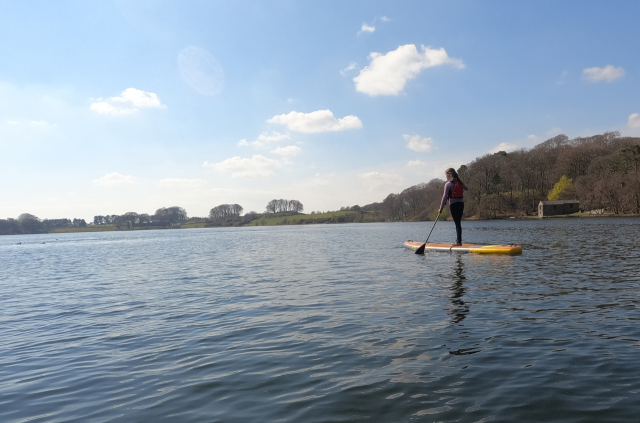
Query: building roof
point(558, 202)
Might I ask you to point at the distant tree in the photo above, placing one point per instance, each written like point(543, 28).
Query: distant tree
point(282, 205)
point(10, 227)
point(119, 221)
point(225, 211)
point(50, 224)
point(167, 216)
point(79, 223)
point(296, 206)
point(144, 219)
point(631, 157)
point(103, 220)
point(236, 209)
point(30, 224)
point(372, 207)
point(130, 218)
point(248, 217)
point(272, 206)
point(562, 190)
point(179, 214)
point(462, 170)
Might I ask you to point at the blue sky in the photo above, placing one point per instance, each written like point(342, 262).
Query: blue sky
point(116, 106)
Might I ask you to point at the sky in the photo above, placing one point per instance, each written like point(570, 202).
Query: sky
point(108, 107)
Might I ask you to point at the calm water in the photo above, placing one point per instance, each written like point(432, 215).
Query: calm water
point(322, 323)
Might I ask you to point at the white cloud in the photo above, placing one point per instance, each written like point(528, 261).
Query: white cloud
point(388, 73)
point(12, 122)
point(114, 179)
point(507, 147)
point(138, 98)
point(351, 67)
point(381, 180)
point(238, 167)
point(634, 121)
point(384, 19)
point(128, 102)
point(318, 121)
point(367, 28)
point(288, 151)
point(181, 183)
point(415, 163)
point(104, 108)
point(418, 143)
point(608, 73)
point(265, 139)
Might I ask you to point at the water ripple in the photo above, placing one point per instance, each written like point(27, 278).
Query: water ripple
point(322, 323)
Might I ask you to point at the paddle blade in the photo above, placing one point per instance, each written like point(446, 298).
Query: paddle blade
point(421, 249)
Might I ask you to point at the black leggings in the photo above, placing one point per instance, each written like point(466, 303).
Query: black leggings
point(456, 213)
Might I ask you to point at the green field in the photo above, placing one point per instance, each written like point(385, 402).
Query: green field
point(191, 225)
point(92, 228)
point(109, 227)
point(295, 219)
point(329, 217)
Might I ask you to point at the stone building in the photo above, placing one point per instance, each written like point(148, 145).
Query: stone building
point(554, 208)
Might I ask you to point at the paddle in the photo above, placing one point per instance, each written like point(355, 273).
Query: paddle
point(421, 249)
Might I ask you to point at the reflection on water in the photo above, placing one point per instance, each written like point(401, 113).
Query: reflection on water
point(322, 323)
point(457, 309)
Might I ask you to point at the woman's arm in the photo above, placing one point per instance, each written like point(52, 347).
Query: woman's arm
point(445, 196)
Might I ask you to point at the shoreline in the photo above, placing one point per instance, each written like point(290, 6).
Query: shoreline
point(202, 225)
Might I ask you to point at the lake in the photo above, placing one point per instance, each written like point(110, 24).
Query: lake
point(322, 323)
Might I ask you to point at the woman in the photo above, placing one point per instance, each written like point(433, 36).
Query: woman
point(453, 191)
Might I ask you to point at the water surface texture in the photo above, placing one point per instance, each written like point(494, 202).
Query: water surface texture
point(322, 323)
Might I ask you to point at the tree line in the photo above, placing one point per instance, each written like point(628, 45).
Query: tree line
point(27, 223)
point(231, 214)
point(601, 171)
point(224, 211)
point(278, 206)
point(163, 217)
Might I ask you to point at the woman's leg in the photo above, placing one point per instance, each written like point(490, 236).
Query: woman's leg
point(456, 213)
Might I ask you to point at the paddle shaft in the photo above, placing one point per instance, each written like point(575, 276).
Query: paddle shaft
point(421, 249)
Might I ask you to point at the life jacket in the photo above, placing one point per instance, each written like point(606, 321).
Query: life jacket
point(457, 191)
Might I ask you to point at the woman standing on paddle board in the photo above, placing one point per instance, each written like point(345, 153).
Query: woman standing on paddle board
point(453, 191)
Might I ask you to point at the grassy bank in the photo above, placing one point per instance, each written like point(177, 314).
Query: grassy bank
point(298, 219)
point(109, 227)
point(92, 228)
point(192, 225)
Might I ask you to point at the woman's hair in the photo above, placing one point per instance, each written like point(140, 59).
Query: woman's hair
point(454, 175)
